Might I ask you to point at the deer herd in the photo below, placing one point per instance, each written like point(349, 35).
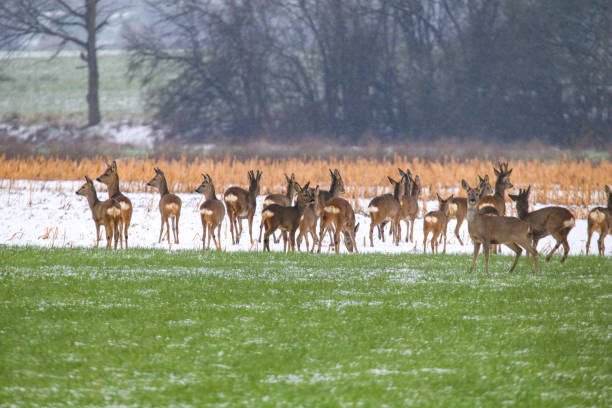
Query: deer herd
point(303, 208)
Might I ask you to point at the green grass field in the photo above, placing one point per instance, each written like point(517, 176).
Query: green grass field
point(143, 327)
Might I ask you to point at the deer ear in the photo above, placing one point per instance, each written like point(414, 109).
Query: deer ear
point(356, 229)
point(465, 185)
point(607, 189)
point(528, 190)
point(509, 172)
point(391, 180)
point(439, 198)
point(306, 186)
point(317, 189)
point(513, 197)
point(114, 165)
point(87, 179)
point(497, 173)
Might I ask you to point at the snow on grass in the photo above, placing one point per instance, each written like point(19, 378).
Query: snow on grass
point(50, 214)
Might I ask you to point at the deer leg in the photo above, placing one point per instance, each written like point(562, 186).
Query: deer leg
point(458, 227)
point(321, 234)
point(476, 251)
point(250, 220)
point(267, 238)
point(518, 251)
point(204, 229)
point(352, 234)
point(337, 240)
point(109, 235)
point(411, 229)
point(97, 234)
point(371, 232)
point(600, 243)
point(260, 230)
point(292, 240)
point(444, 250)
point(559, 242)
point(176, 229)
point(486, 246)
point(589, 234)
point(565, 249)
point(115, 232)
point(161, 230)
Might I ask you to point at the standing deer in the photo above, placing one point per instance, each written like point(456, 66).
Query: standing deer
point(212, 212)
point(410, 203)
point(110, 178)
point(435, 222)
point(169, 206)
point(495, 229)
point(458, 205)
point(280, 199)
point(600, 220)
point(242, 204)
point(387, 207)
point(502, 183)
point(107, 213)
point(339, 213)
point(555, 221)
point(286, 218)
point(308, 224)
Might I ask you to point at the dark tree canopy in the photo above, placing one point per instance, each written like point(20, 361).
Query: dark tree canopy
point(391, 69)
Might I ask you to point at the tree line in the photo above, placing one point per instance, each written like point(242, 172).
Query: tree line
point(392, 70)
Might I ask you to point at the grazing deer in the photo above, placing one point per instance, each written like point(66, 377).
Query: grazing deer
point(169, 206)
point(280, 199)
point(308, 224)
point(600, 220)
point(212, 212)
point(502, 183)
point(387, 207)
point(110, 178)
point(495, 229)
point(339, 213)
point(555, 221)
point(286, 218)
point(410, 203)
point(458, 205)
point(435, 222)
point(107, 213)
point(242, 204)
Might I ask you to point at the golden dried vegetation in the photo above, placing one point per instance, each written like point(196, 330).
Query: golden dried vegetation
point(575, 184)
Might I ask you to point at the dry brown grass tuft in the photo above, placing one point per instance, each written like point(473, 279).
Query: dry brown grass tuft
point(575, 184)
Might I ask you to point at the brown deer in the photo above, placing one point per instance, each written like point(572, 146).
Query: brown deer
point(212, 212)
point(286, 218)
point(107, 213)
point(241, 204)
point(495, 229)
point(280, 199)
point(435, 222)
point(169, 206)
point(308, 224)
point(410, 203)
point(555, 221)
point(502, 183)
point(339, 213)
point(110, 178)
point(387, 207)
point(458, 205)
point(600, 220)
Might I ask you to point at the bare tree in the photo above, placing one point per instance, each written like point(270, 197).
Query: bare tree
point(75, 22)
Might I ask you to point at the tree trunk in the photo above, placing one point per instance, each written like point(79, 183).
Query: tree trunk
point(93, 100)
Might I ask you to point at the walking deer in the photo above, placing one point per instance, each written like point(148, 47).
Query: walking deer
point(107, 213)
point(435, 222)
point(169, 206)
point(280, 199)
point(387, 207)
point(457, 207)
point(110, 178)
point(242, 204)
point(212, 212)
point(600, 220)
point(308, 224)
point(338, 213)
point(555, 221)
point(286, 218)
point(495, 229)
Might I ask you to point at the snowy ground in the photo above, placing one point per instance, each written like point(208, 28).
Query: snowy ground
point(50, 214)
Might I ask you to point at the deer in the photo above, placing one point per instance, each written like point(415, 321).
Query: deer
point(110, 178)
point(107, 213)
point(169, 206)
point(502, 183)
point(600, 220)
point(280, 199)
point(435, 222)
point(241, 204)
point(555, 221)
point(308, 224)
point(496, 229)
point(212, 212)
point(458, 205)
point(387, 207)
point(339, 213)
point(409, 203)
point(286, 218)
